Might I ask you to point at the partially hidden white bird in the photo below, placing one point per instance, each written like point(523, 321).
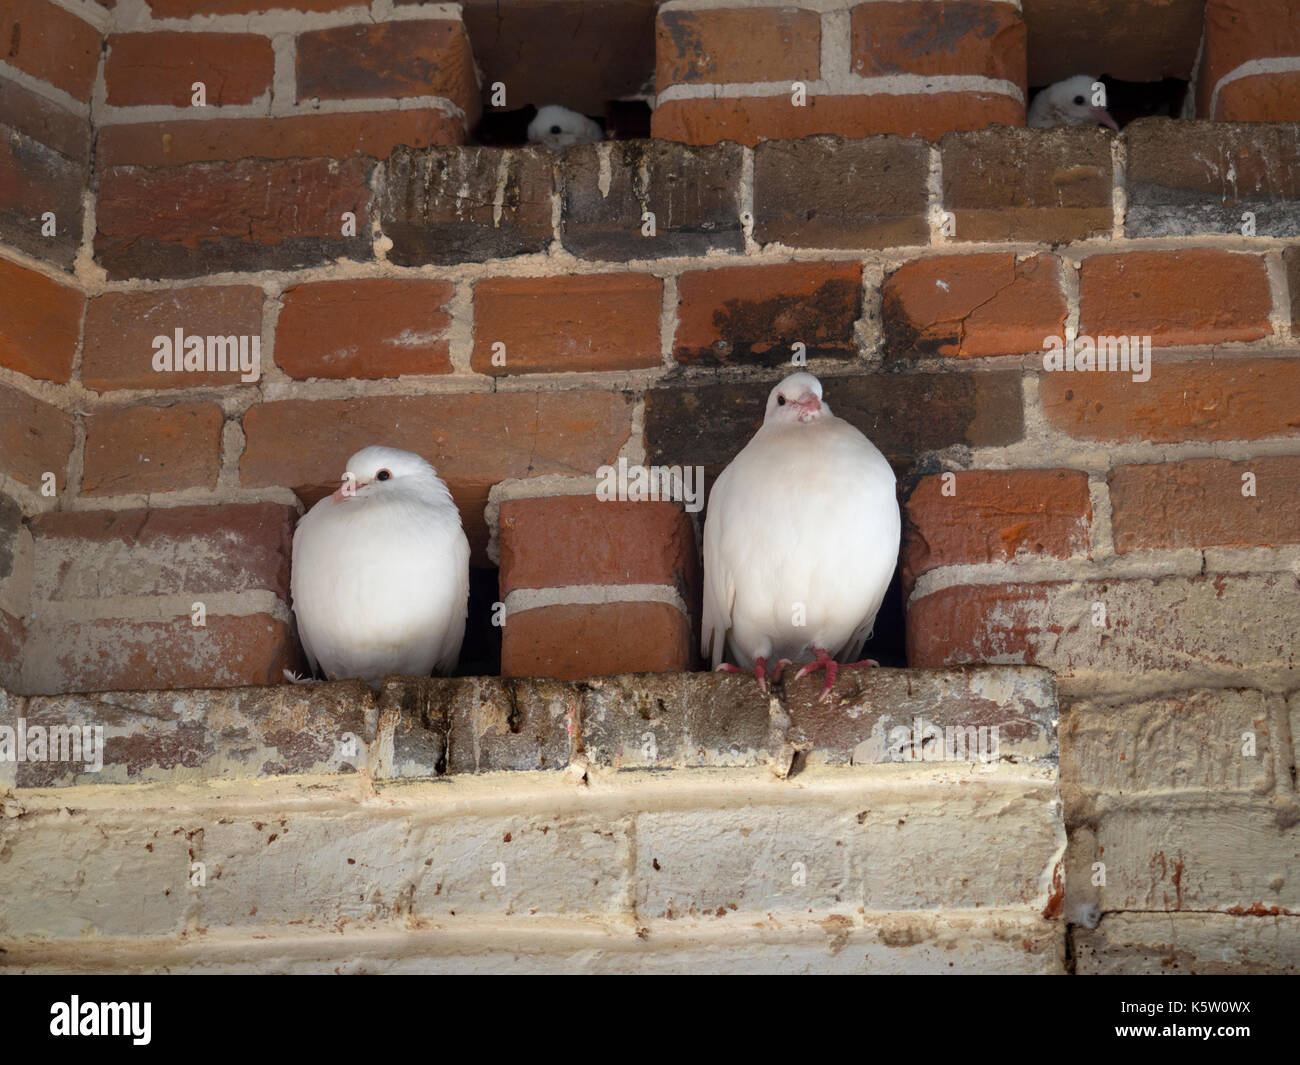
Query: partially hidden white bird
point(380, 577)
point(800, 541)
point(557, 127)
point(1068, 103)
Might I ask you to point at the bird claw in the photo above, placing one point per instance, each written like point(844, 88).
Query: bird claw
point(293, 678)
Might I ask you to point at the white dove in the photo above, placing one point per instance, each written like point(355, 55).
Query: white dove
point(557, 127)
point(380, 575)
point(1068, 103)
point(800, 540)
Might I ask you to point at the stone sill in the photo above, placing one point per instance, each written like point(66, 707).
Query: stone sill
point(428, 728)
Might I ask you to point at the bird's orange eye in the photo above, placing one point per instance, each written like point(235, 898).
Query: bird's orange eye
point(383, 475)
point(780, 401)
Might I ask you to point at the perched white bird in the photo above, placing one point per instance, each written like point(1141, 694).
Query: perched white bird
point(381, 572)
point(1069, 103)
point(800, 540)
point(558, 127)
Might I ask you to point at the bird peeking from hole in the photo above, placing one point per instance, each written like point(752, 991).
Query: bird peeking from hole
point(557, 127)
point(1069, 103)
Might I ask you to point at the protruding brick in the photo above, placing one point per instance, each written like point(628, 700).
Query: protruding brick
point(1238, 32)
point(45, 121)
point(736, 45)
point(161, 68)
point(928, 38)
point(1272, 97)
point(152, 449)
point(50, 43)
point(568, 323)
point(755, 314)
point(972, 305)
point(1020, 184)
point(118, 351)
point(366, 329)
point(35, 438)
point(40, 321)
point(568, 642)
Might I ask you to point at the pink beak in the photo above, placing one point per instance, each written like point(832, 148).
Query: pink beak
point(1102, 117)
point(810, 406)
point(348, 488)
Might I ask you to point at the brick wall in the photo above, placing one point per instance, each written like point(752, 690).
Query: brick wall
point(508, 314)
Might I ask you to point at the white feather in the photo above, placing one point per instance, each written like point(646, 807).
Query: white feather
point(1068, 103)
point(380, 578)
point(557, 127)
point(804, 519)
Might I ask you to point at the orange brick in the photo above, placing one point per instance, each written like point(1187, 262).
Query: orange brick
point(1229, 399)
point(40, 321)
point(121, 326)
point(160, 68)
point(1201, 296)
point(152, 449)
point(576, 323)
point(570, 642)
point(189, 8)
point(51, 43)
point(35, 438)
point(933, 37)
point(737, 45)
point(1237, 31)
point(1260, 98)
point(1199, 503)
point(378, 328)
point(750, 119)
point(966, 306)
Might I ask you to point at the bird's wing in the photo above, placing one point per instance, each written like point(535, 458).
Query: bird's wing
point(295, 577)
point(454, 634)
point(719, 581)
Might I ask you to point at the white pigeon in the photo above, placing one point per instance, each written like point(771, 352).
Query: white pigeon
point(380, 576)
point(800, 540)
point(557, 127)
point(1068, 103)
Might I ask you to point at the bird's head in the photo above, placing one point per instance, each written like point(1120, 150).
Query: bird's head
point(796, 399)
point(1072, 100)
point(374, 471)
point(557, 127)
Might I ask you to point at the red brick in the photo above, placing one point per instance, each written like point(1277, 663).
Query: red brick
point(152, 449)
point(936, 38)
point(45, 121)
point(123, 654)
point(120, 327)
point(35, 438)
point(754, 314)
point(570, 642)
point(160, 68)
point(737, 45)
point(1229, 399)
point(376, 328)
point(339, 136)
point(50, 43)
point(389, 59)
point(995, 515)
point(40, 321)
point(188, 8)
point(750, 119)
point(555, 541)
point(1201, 296)
point(1260, 98)
point(575, 323)
point(473, 440)
point(1199, 503)
point(1237, 31)
point(252, 214)
point(35, 179)
point(972, 305)
point(96, 554)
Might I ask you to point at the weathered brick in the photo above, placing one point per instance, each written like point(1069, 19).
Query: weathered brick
point(96, 554)
point(1272, 97)
point(754, 314)
point(1222, 399)
point(1187, 178)
point(160, 68)
point(452, 205)
point(38, 180)
point(35, 438)
point(708, 424)
point(1157, 944)
point(118, 350)
point(995, 515)
point(694, 195)
point(44, 120)
point(1019, 184)
point(152, 449)
point(554, 541)
point(1291, 259)
point(735, 44)
point(311, 136)
point(253, 214)
point(494, 724)
point(188, 8)
point(1200, 503)
point(1237, 32)
point(750, 119)
point(972, 305)
point(13, 635)
point(811, 194)
point(567, 323)
point(1111, 36)
point(40, 321)
point(51, 43)
point(973, 38)
point(429, 57)
point(568, 642)
point(370, 328)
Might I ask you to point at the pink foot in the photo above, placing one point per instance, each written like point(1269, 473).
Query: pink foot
point(826, 662)
point(760, 671)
